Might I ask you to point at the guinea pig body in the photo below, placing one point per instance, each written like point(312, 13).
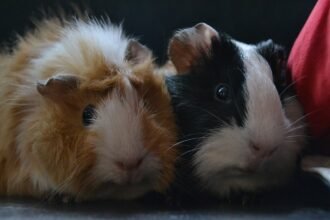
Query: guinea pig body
point(83, 115)
point(241, 127)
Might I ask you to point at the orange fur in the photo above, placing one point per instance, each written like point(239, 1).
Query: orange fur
point(43, 139)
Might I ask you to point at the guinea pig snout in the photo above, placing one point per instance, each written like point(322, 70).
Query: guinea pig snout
point(262, 151)
point(259, 154)
point(129, 165)
point(130, 170)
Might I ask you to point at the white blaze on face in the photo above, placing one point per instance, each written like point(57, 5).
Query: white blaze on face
point(265, 116)
point(119, 131)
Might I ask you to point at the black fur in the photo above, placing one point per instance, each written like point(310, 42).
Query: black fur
point(276, 57)
point(196, 107)
point(193, 94)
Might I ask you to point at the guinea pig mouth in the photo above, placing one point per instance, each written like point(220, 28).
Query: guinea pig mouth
point(257, 167)
point(127, 190)
point(235, 172)
point(146, 183)
point(128, 183)
point(265, 168)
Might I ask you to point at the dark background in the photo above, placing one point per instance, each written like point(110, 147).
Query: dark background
point(155, 21)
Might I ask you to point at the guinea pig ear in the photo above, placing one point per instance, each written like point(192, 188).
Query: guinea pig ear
point(57, 86)
point(276, 57)
point(137, 53)
point(188, 45)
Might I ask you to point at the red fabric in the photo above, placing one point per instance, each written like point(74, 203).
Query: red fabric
point(309, 62)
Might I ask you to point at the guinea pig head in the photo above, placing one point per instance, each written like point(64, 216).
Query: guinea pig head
point(102, 129)
point(236, 130)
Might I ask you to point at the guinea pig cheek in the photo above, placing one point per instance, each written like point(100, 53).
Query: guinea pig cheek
point(160, 145)
point(223, 153)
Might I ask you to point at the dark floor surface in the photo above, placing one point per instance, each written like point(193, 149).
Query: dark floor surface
point(307, 198)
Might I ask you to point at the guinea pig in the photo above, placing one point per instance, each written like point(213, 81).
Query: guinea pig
point(241, 127)
point(84, 115)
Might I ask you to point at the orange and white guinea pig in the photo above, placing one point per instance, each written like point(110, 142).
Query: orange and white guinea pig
point(84, 115)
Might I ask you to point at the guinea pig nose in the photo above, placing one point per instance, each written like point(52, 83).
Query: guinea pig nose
point(129, 165)
point(262, 151)
point(255, 148)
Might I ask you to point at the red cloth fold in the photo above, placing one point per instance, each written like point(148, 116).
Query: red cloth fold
point(309, 62)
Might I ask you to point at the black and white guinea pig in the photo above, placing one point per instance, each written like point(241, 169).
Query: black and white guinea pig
point(241, 126)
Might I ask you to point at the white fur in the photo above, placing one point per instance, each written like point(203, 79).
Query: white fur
point(226, 161)
point(120, 139)
point(103, 38)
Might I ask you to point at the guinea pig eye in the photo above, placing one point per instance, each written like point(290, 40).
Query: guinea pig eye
point(88, 115)
point(222, 93)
